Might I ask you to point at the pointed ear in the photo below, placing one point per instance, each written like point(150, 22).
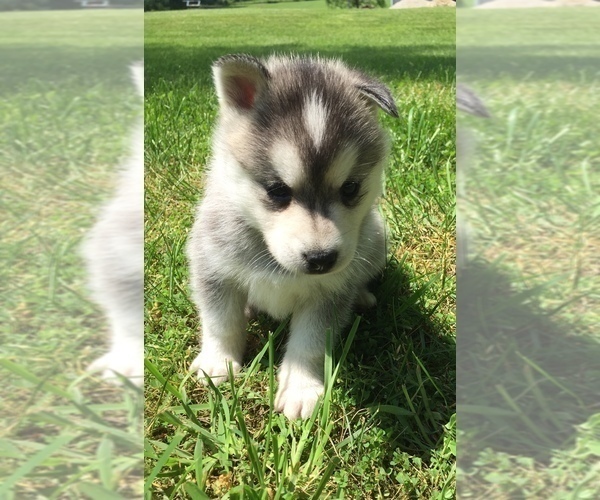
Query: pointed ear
point(239, 80)
point(378, 93)
point(467, 101)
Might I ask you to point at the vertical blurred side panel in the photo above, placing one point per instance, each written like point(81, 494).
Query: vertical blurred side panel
point(528, 280)
point(71, 252)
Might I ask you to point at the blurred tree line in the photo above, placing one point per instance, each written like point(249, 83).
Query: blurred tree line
point(163, 4)
point(345, 4)
point(358, 4)
point(55, 4)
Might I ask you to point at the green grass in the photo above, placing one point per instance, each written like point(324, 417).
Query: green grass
point(66, 104)
point(528, 372)
point(386, 426)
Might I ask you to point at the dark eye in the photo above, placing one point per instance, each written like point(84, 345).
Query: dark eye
point(349, 191)
point(280, 193)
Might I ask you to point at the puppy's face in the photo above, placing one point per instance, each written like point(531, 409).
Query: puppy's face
point(307, 154)
point(311, 223)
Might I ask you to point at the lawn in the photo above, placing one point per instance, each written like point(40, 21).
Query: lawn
point(528, 307)
point(386, 427)
point(66, 104)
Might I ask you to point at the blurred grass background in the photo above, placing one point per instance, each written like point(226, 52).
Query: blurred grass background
point(66, 106)
point(528, 308)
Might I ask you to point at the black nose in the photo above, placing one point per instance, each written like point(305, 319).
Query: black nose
point(320, 262)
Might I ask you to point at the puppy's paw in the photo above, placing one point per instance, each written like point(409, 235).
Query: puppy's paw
point(122, 362)
point(365, 300)
point(297, 397)
point(213, 366)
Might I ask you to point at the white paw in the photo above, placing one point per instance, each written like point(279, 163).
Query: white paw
point(365, 300)
point(213, 366)
point(297, 397)
point(122, 362)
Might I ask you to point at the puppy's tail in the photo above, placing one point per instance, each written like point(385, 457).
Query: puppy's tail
point(137, 74)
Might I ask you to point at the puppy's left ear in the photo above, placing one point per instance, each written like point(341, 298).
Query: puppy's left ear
point(240, 81)
point(378, 93)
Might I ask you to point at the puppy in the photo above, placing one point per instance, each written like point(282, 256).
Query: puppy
point(114, 253)
point(289, 223)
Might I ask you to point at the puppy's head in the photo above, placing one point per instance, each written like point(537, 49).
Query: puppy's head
point(304, 154)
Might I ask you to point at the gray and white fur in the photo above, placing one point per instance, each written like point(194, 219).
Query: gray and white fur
point(289, 223)
point(114, 254)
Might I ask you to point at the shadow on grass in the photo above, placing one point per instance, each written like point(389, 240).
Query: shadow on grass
point(524, 380)
point(179, 64)
point(64, 66)
point(403, 362)
point(531, 62)
point(400, 369)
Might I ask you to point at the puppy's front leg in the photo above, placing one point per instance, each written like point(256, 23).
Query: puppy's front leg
point(301, 372)
point(223, 325)
point(126, 354)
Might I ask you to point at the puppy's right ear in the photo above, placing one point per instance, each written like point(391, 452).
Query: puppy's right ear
point(240, 81)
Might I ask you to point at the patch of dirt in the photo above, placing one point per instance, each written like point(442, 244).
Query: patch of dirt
point(516, 4)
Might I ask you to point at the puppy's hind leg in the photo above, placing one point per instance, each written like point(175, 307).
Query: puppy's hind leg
point(223, 323)
point(364, 300)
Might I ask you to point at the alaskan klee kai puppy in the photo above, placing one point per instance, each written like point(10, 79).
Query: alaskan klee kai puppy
point(114, 252)
point(289, 223)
